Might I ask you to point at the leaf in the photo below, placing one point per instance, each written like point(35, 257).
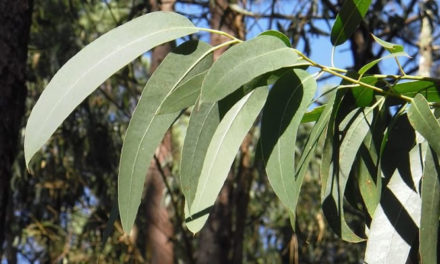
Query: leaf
point(221, 153)
point(279, 35)
point(371, 64)
point(339, 155)
point(429, 220)
point(390, 47)
point(394, 228)
point(243, 62)
point(146, 127)
point(364, 95)
point(312, 142)
point(183, 96)
point(348, 19)
point(313, 115)
point(83, 73)
point(369, 176)
point(424, 121)
point(429, 89)
point(287, 102)
point(202, 125)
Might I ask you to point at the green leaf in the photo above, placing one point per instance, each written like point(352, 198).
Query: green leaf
point(313, 115)
point(279, 35)
point(202, 125)
point(183, 96)
point(146, 128)
point(83, 73)
point(429, 221)
point(364, 95)
point(393, 230)
point(391, 47)
point(369, 176)
point(287, 102)
point(348, 19)
point(429, 89)
point(312, 141)
point(424, 121)
point(243, 62)
point(221, 153)
point(371, 64)
point(339, 155)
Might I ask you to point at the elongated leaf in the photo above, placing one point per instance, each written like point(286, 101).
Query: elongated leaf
point(394, 228)
point(287, 102)
point(337, 166)
point(364, 95)
point(202, 125)
point(83, 73)
point(429, 89)
point(429, 221)
point(183, 96)
point(313, 115)
point(371, 64)
point(279, 35)
point(243, 62)
point(369, 176)
point(391, 47)
point(348, 19)
point(147, 128)
point(221, 153)
point(424, 121)
point(306, 157)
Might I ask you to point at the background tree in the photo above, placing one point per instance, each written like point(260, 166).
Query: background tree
point(14, 35)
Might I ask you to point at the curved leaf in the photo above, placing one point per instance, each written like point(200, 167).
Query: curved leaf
point(393, 230)
point(83, 73)
point(371, 64)
point(287, 102)
point(369, 176)
point(313, 115)
point(348, 19)
point(279, 35)
point(429, 89)
point(364, 95)
point(429, 220)
point(391, 47)
point(424, 121)
point(202, 125)
point(337, 164)
point(315, 134)
point(221, 153)
point(243, 62)
point(183, 96)
point(147, 128)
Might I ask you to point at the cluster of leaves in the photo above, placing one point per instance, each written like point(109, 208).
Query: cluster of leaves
point(265, 75)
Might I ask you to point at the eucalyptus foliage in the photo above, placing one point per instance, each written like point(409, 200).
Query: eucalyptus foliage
point(389, 158)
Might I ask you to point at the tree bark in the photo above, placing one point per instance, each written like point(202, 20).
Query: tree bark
point(15, 21)
point(425, 41)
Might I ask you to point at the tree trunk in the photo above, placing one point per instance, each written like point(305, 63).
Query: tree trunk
point(425, 61)
point(15, 21)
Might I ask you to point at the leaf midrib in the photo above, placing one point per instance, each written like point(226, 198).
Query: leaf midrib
point(233, 69)
point(237, 112)
point(206, 53)
point(279, 128)
point(100, 62)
